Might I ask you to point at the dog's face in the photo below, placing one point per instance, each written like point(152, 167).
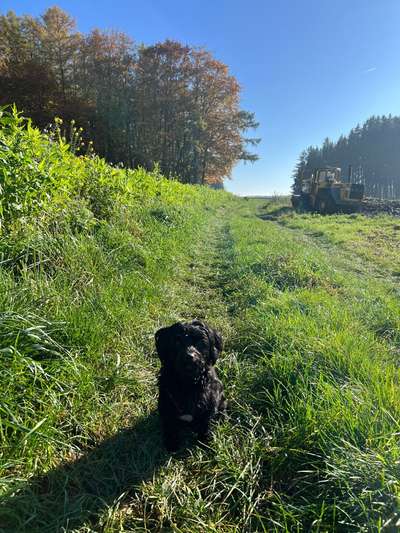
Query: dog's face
point(188, 348)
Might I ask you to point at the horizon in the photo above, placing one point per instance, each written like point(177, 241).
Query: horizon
point(308, 71)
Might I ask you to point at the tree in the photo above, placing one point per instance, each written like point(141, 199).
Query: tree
point(188, 115)
point(373, 151)
point(106, 74)
point(167, 104)
point(58, 45)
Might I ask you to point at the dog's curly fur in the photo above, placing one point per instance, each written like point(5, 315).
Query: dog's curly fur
point(190, 393)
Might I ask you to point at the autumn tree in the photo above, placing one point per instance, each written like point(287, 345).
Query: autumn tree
point(59, 44)
point(24, 77)
point(168, 104)
point(105, 77)
point(188, 115)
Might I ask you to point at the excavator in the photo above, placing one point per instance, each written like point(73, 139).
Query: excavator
point(325, 192)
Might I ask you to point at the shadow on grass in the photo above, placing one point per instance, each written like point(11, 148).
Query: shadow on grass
point(77, 492)
point(274, 214)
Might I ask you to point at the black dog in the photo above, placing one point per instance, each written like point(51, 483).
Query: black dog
point(190, 393)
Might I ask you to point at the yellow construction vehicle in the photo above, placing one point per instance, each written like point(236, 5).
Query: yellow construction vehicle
point(325, 192)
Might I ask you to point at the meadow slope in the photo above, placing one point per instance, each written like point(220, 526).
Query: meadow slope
point(95, 259)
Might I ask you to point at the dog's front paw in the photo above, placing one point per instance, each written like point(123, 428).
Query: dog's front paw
point(204, 436)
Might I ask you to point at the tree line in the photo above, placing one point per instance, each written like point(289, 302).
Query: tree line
point(372, 150)
point(168, 104)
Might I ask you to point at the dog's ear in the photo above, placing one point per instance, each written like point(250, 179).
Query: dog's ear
point(162, 337)
point(216, 345)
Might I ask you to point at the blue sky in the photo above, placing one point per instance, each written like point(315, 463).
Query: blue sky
point(309, 69)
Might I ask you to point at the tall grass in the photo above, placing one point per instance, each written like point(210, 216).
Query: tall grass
point(97, 259)
point(85, 279)
point(324, 378)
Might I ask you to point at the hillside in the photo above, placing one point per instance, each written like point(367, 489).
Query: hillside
point(94, 259)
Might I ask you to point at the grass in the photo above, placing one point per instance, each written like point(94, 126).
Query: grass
point(309, 311)
point(374, 239)
point(323, 343)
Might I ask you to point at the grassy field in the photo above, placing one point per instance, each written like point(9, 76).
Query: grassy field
point(95, 259)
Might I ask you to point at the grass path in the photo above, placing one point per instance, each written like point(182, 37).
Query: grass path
point(373, 243)
point(321, 344)
point(365, 276)
point(98, 259)
point(199, 289)
point(353, 260)
point(104, 480)
point(311, 374)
